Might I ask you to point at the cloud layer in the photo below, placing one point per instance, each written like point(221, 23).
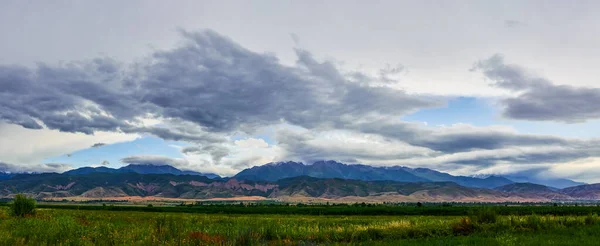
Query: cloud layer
point(209, 89)
point(538, 98)
point(210, 83)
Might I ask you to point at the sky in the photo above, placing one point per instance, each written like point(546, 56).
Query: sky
point(465, 87)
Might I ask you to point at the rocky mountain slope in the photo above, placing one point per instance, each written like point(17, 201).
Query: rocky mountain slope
point(588, 192)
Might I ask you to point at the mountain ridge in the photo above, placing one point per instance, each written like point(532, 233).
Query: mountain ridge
point(140, 168)
point(168, 186)
point(333, 169)
point(295, 181)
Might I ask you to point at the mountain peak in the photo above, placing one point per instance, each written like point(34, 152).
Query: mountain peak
point(325, 169)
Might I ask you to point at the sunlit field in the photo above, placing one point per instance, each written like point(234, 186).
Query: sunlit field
point(103, 227)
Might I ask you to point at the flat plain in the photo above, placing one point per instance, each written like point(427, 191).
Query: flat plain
point(105, 225)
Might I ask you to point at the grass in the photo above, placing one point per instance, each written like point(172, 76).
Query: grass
point(87, 227)
point(342, 209)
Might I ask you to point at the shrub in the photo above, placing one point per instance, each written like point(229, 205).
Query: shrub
point(463, 227)
point(22, 206)
point(590, 219)
point(484, 216)
point(534, 222)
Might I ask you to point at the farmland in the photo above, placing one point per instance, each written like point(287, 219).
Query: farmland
point(427, 225)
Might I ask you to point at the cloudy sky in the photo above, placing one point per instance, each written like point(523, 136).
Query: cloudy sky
point(466, 87)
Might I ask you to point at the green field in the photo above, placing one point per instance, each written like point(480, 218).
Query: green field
point(482, 226)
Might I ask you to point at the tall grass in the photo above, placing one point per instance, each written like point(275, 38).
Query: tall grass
point(72, 227)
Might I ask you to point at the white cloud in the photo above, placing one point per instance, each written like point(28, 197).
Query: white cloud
point(251, 143)
point(29, 147)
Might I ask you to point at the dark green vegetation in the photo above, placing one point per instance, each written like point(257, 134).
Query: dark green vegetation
point(22, 206)
point(479, 227)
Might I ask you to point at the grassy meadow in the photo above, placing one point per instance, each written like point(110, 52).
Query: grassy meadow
point(103, 227)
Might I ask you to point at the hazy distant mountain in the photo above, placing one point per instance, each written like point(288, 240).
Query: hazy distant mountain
point(332, 169)
point(139, 168)
point(433, 175)
point(552, 182)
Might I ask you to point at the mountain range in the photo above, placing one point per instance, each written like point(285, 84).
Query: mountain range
point(103, 185)
point(332, 169)
point(141, 169)
point(291, 181)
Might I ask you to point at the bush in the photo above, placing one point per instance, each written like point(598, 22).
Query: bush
point(22, 206)
point(463, 227)
point(484, 216)
point(590, 219)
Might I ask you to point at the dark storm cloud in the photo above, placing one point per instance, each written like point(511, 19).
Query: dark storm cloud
point(222, 86)
point(177, 132)
point(62, 97)
point(539, 99)
point(209, 81)
point(527, 158)
point(455, 139)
